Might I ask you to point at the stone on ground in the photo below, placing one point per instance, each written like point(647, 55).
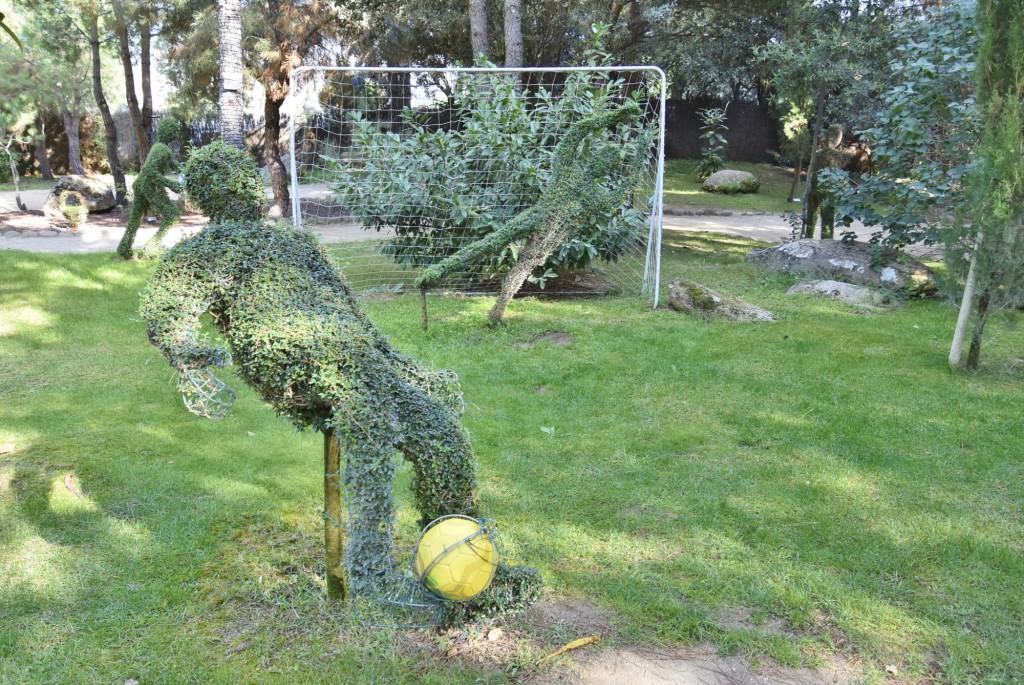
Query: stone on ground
point(286, 160)
point(693, 298)
point(99, 197)
point(850, 263)
point(731, 181)
point(843, 292)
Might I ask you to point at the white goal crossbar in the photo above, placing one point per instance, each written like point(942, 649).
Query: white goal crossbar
point(402, 166)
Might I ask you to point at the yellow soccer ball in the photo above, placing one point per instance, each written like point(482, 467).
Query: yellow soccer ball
point(456, 558)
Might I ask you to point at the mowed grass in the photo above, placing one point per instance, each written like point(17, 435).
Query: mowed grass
point(826, 473)
point(683, 188)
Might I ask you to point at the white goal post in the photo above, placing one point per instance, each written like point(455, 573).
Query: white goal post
point(403, 166)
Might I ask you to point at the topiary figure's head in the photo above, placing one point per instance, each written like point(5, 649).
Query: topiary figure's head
point(225, 182)
point(167, 131)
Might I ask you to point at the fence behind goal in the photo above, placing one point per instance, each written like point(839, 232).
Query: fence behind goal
point(403, 167)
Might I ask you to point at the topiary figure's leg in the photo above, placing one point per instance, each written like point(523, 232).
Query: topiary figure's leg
point(369, 477)
point(169, 216)
point(139, 207)
point(534, 253)
point(432, 439)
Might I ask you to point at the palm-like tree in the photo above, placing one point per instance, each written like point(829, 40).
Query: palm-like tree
point(229, 25)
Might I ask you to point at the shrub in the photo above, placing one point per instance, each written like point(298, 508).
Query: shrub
point(225, 182)
point(5, 165)
point(712, 140)
point(74, 207)
point(501, 137)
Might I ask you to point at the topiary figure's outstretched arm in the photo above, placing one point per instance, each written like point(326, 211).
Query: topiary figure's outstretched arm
point(172, 303)
point(518, 228)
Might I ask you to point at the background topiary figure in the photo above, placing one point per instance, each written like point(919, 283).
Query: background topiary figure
point(584, 184)
point(225, 183)
point(150, 194)
point(299, 338)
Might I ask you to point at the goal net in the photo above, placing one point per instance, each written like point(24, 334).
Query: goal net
point(400, 168)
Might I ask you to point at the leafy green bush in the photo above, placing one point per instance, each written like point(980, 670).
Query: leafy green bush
point(74, 207)
point(712, 140)
point(5, 165)
point(441, 189)
point(225, 182)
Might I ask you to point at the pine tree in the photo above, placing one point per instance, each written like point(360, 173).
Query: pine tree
point(995, 237)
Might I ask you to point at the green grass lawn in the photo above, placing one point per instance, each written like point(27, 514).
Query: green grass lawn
point(682, 188)
point(28, 183)
point(826, 473)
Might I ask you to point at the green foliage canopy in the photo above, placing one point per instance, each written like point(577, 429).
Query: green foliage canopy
point(924, 136)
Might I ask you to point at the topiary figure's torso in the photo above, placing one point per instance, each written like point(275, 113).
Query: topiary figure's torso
point(299, 338)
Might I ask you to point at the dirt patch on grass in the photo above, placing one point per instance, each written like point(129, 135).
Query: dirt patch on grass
point(556, 338)
point(34, 221)
point(700, 665)
point(745, 618)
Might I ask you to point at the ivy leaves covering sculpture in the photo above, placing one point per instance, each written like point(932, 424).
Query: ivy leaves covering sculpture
point(298, 337)
point(150, 192)
point(590, 178)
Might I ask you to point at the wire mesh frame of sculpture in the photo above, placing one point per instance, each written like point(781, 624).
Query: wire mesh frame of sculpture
point(299, 338)
point(315, 134)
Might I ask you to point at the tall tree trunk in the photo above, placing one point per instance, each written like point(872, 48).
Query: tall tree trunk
point(513, 33)
point(14, 175)
point(101, 102)
point(974, 354)
point(966, 304)
point(478, 28)
point(796, 175)
point(146, 66)
point(807, 231)
point(42, 158)
point(72, 124)
point(229, 27)
point(272, 151)
point(124, 45)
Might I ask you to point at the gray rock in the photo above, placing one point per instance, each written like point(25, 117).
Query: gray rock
point(12, 234)
point(286, 160)
point(99, 197)
point(843, 292)
point(693, 298)
point(852, 263)
point(47, 234)
point(731, 181)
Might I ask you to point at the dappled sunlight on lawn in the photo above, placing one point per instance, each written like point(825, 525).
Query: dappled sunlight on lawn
point(20, 319)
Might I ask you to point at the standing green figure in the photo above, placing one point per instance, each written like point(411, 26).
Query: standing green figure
point(149, 192)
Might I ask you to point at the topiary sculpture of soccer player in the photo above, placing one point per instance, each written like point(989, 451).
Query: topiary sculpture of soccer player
point(598, 180)
point(150, 192)
point(300, 340)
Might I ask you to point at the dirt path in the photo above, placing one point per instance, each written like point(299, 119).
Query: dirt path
point(765, 227)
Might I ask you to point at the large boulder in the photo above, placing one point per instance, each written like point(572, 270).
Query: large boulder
point(843, 292)
point(850, 263)
point(731, 181)
point(99, 197)
point(693, 298)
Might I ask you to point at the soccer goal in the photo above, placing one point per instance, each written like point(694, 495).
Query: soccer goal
point(403, 166)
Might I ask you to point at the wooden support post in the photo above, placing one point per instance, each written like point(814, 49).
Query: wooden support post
point(334, 532)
